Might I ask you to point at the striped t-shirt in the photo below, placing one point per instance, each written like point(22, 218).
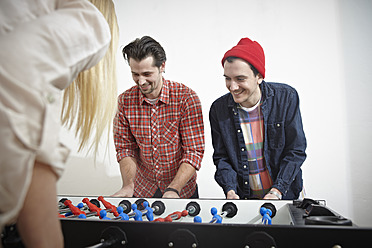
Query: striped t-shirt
point(252, 124)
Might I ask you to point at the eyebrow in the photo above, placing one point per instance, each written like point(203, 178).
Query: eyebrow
point(145, 72)
point(239, 76)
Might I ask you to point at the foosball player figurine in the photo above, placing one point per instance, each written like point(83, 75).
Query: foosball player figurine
point(143, 206)
point(192, 209)
point(149, 211)
point(109, 206)
point(229, 210)
point(103, 215)
point(173, 216)
point(197, 219)
point(64, 209)
point(216, 218)
point(137, 214)
point(68, 212)
point(156, 208)
point(176, 216)
point(122, 214)
point(94, 210)
point(75, 210)
point(268, 211)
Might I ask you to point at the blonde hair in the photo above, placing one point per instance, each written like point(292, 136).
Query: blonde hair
point(91, 100)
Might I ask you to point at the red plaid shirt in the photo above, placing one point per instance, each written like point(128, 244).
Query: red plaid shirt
point(160, 136)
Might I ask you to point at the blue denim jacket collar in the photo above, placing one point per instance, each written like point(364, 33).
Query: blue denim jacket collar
point(266, 92)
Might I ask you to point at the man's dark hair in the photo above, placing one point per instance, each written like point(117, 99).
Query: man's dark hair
point(144, 47)
point(231, 59)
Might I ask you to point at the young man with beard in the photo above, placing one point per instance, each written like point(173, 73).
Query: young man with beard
point(158, 129)
point(257, 134)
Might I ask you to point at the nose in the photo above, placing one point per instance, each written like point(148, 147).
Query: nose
point(141, 80)
point(233, 85)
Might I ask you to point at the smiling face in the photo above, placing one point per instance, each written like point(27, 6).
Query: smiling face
point(242, 83)
point(147, 76)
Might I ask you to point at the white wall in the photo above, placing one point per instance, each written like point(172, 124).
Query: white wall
point(322, 48)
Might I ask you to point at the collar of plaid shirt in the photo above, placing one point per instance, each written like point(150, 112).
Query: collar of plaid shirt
point(164, 94)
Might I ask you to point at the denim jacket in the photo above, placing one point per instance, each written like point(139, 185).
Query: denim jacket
point(284, 143)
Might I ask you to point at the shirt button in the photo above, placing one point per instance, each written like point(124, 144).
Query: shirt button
point(154, 148)
point(157, 167)
point(246, 182)
point(242, 149)
point(239, 131)
point(50, 98)
point(244, 166)
point(278, 125)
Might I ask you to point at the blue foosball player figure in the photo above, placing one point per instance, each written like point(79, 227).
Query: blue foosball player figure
point(137, 213)
point(149, 212)
point(197, 219)
point(122, 215)
point(266, 215)
point(216, 218)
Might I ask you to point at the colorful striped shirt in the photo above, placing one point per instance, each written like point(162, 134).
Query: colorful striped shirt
point(161, 136)
point(252, 124)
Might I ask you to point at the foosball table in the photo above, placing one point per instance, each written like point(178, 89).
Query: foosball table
point(158, 222)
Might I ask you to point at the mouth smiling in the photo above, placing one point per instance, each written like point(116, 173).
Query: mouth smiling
point(145, 86)
point(236, 93)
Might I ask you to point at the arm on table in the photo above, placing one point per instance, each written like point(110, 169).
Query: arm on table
point(293, 154)
point(128, 167)
point(183, 175)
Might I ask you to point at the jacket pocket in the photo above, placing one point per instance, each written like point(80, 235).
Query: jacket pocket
point(276, 135)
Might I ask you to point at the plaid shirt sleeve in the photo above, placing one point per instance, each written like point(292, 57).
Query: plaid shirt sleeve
point(192, 131)
point(124, 140)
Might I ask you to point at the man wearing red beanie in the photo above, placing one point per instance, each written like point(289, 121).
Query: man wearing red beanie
point(257, 134)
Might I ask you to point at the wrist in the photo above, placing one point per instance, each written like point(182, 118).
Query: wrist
point(169, 189)
point(129, 185)
point(276, 193)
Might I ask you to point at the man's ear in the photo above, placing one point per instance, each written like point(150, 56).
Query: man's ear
point(259, 78)
point(162, 67)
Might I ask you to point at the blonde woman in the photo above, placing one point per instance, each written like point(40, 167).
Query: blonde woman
point(46, 45)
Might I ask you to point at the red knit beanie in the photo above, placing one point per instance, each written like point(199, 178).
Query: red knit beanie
point(249, 51)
